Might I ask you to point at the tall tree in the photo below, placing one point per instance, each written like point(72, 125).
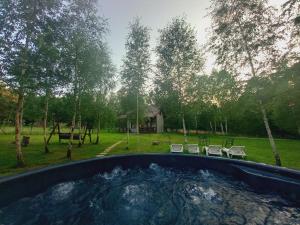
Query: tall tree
point(136, 66)
point(244, 36)
point(50, 75)
point(179, 62)
point(21, 23)
point(105, 81)
point(83, 39)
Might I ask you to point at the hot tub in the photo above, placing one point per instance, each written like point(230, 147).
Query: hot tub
point(153, 189)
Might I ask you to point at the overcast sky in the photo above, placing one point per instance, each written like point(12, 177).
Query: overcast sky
point(155, 14)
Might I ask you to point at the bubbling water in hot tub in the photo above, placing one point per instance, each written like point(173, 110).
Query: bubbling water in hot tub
point(154, 195)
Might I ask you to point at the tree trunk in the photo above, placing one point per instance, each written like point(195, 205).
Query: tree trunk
point(211, 127)
point(215, 126)
point(45, 124)
point(20, 103)
point(265, 119)
point(84, 134)
point(98, 130)
point(226, 126)
point(137, 113)
point(69, 152)
point(196, 124)
point(127, 133)
point(76, 95)
point(52, 132)
point(79, 120)
point(18, 121)
point(90, 135)
point(70, 146)
point(271, 139)
point(21, 115)
point(222, 129)
point(184, 129)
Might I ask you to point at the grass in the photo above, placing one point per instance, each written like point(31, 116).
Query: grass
point(257, 149)
point(34, 153)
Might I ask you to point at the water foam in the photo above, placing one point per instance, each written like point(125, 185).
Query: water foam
point(62, 191)
point(116, 172)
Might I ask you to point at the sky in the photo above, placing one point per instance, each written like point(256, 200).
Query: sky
point(155, 14)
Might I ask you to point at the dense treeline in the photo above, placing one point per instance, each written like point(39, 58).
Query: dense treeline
point(56, 67)
point(54, 50)
point(228, 105)
point(237, 114)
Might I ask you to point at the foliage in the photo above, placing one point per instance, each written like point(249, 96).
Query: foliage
point(178, 65)
point(245, 35)
point(135, 70)
point(290, 24)
point(7, 103)
point(285, 99)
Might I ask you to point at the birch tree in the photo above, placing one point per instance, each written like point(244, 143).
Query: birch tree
point(49, 73)
point(244, 37)
point(179, 62)
point(104, 82)
point(83, 36)
point(136, 66)
point(20, 24)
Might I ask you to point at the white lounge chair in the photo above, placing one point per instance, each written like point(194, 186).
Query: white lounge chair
point(238, 151)
point(193, 148)
point(215, 150)
point(176, 148)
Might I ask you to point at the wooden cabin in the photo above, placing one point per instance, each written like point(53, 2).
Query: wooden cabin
point(153, 122)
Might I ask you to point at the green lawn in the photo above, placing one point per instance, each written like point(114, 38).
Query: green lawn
point(34, 153)
point(257, 149)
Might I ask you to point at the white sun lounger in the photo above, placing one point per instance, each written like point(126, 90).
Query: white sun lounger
point(238, 151)
point(215, 150)
point(193, 148)
point(176, 148)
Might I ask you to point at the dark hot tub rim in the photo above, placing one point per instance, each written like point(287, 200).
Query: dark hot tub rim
point(264, 178)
